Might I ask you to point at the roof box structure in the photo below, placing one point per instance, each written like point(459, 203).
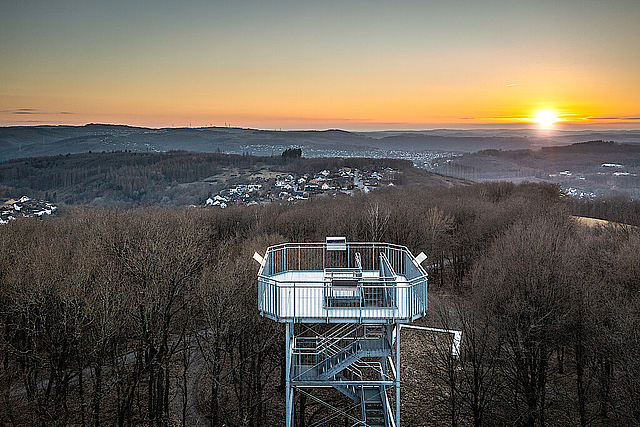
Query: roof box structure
point(336, 243)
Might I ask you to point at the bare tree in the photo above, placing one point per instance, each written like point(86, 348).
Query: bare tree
point(522, 284)
point(377, 220)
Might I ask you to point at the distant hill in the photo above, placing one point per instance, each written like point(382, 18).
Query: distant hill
point(419, 142)
point(20, 142)
point(601, 168)
point(36, 141)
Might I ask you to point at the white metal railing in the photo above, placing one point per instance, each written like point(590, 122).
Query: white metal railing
point(397, 292)
point(316, 257)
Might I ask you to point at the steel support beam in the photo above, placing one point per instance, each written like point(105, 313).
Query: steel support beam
point(289, 390)
point(398, 376)
point(315, 384)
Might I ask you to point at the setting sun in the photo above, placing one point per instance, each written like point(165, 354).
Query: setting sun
point(545, 118)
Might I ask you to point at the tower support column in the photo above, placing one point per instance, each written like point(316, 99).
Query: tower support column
point(397, 375)
point(289, 391)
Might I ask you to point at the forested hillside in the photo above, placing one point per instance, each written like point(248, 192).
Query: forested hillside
point(593, 168)
point(174, 178)
point(149, 316)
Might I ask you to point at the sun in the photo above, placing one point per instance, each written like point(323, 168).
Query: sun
point(545, 118)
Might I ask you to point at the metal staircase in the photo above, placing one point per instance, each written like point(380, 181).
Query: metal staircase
point(374, 406)
point(352, 354)
point(347, 356)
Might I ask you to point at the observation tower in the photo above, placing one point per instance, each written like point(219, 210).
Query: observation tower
point(342, 304)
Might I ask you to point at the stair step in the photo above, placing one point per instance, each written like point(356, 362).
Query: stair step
point(374, 414)
point(372, 395)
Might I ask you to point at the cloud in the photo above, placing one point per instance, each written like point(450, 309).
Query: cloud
point(23, 111)
point(497, 118)
point(29, 111)
point(612, 118)
point(511, 85)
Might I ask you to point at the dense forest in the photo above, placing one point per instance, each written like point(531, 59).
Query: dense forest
point(148, 316)
point(618, 209)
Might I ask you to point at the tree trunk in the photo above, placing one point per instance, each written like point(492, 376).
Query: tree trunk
point(81, 392)
point(97, 394)
point(605, 386)
point(580, 362)
point(214, 407)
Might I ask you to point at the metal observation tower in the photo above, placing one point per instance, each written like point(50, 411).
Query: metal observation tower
point(343, 304)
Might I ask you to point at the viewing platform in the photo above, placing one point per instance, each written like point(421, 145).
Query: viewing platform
point(341, 282)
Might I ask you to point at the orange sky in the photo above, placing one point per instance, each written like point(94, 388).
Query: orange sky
point(333, 64)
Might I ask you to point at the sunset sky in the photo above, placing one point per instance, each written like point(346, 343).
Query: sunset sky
point(356, 65)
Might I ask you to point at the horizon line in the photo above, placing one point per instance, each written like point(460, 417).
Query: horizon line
point(567, 127)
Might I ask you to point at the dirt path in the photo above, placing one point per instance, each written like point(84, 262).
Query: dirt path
point(196, 372)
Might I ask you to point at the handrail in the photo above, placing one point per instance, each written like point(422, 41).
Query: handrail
point(409, 299)
point(358, 261)
point(323, 244)
point(384, 261)
point(400, 254)
point(367, 282)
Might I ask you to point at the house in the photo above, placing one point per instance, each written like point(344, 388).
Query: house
point(345, 183)
point(25, 207)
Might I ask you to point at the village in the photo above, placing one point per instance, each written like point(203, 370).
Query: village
point(292, 187)
point(25, 207)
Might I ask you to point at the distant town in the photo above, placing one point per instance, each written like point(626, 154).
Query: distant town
point(287, 187)
point(25, 207)
point(291, 187)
